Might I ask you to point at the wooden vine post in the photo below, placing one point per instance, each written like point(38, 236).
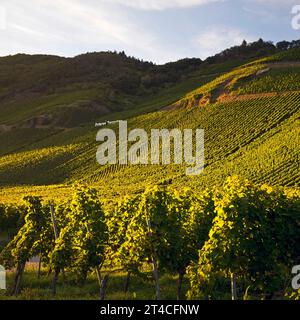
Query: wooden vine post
point(40, 266)
point(102, 282)
point(56, 235)
point(127, 282)
point(233, 286)
point(154, 262)
point(18, 278)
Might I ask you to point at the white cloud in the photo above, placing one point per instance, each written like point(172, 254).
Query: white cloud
point(215, 40)
point(160, 4)
point(69, 28)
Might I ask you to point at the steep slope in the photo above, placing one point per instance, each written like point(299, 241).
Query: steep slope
point(277, 73)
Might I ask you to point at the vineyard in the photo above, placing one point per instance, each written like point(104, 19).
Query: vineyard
point(256, 138)
point(239, 240)
point(277, 80)
point(150, 231)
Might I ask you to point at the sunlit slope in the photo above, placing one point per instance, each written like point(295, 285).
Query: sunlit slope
point(251, 118)
point(277, 74)
point(257, 138)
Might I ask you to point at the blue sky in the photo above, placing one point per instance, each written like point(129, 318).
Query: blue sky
point(156, 30)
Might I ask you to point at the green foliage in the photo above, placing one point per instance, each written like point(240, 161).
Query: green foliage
point(81, 242)
point(251, 120)
point(253, 236)
point(29, 241)
point(276, 80)
point(118, 221)
point(163, 226)
point(242, 229)
point(149, 231)
point(253, 136)
point(294, 295)
point(11, 219)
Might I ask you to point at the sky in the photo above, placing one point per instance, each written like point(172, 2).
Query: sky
point(154, 30)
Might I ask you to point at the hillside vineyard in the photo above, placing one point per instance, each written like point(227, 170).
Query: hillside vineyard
point(126, 227)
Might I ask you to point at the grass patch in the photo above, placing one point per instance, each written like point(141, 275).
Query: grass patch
point(140, 289)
